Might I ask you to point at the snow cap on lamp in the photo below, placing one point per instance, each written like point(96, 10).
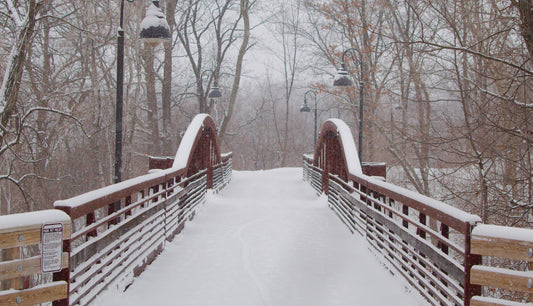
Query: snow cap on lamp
point(342, 78)
point(154, 27)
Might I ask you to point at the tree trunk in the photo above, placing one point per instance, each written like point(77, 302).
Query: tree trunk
point(245, 7)
point(151, 99)
point(15, 65)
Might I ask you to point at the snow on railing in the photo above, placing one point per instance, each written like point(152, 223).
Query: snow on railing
point(110, 245)
point(425, 240)
point(120, 229)
point(222, 172)
point(427, 243)
point(436, 247)
point(31, 248)
point(116, 230)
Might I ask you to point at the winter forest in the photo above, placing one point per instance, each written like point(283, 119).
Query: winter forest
point(448, 89)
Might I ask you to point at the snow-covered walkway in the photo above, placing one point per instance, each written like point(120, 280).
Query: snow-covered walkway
point(266, 239)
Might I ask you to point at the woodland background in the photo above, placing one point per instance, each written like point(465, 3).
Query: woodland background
point(448, 92)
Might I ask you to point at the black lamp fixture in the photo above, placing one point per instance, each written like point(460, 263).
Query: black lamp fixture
point(343, 79)
point(214, 93)
point(305, 107)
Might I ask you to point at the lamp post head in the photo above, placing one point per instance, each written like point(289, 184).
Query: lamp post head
point(342, 79)
point(154, 27)
point(305, 107)
point(214, 93)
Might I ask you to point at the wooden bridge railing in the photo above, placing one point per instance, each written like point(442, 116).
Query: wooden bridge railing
point(443, 252)
point(115, 246)
point(31, 248)
point(116, 230)
point(222, 172)
point(507, 271)
point(427, 242)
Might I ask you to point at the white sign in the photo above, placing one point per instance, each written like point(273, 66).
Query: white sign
point(52, 247)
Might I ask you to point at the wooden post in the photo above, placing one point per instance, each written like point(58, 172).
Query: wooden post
point(530, 267)
point(470, 260)
point(422, 220)
point(445, 231)
point(208, 161)
point(90, 219)
point(64, 275)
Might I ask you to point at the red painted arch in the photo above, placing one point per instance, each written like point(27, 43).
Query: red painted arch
point(199, 149)
point(335, 152)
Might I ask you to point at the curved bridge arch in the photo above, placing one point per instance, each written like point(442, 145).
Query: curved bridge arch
point(336, 152)
point(199, 149)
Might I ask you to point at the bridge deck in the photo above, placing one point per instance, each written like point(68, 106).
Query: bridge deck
point(265, 240)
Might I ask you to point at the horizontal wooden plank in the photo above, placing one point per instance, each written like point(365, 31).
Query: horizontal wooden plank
point(499, 247)
point(488, 301)
point(453, 268)
point(453, 217)
point(28, 266)
point(29, 236)
point(501, 278)
point(30, 220)
point(41, 294)
point(83, 204)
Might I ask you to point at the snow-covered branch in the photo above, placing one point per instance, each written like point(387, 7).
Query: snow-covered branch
point(15, 63)
point(517, 204)
point(476, 53)
point(14, 13)
point(509, 99)
point(22, 124)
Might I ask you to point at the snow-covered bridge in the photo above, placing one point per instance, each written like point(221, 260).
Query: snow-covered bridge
point(265, 239)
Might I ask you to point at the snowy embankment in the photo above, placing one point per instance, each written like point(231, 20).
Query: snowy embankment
point(266, 240)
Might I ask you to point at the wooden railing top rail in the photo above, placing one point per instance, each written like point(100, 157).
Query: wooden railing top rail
point(30, 221)
point(520, 238)
point(226, 156)
point(79, 206)
point(438, 210)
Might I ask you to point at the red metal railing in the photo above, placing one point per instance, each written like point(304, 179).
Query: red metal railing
point(107, 244)
point(425, 240)
point(222, 172)
point(119, 229)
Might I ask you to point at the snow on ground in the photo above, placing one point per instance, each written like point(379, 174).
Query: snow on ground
point(266, 239)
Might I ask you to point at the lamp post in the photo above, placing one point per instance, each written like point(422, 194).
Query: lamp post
point(154, 30)
point(305, 109)
point(342, 79)
point(214, 93)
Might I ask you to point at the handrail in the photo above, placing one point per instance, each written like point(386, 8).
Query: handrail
point(119, 229)
point(22, 264)
point(442, 251)
point(108, 244)
point(442, 212)
point(423, 239)
point(81, 205)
